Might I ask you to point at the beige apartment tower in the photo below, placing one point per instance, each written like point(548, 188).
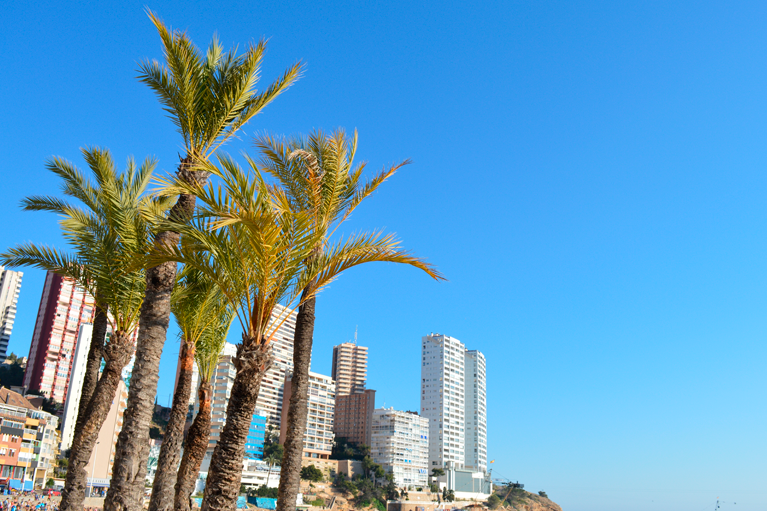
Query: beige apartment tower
point(350, 368)
point(318, 437)
point(354, 416)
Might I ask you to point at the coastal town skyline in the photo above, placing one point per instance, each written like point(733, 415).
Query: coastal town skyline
point(588, 177)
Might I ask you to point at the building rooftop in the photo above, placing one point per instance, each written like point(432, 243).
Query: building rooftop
point(15, 399)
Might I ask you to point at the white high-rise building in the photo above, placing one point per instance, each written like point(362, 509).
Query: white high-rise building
point(72, 403)
point(443, 395)
point(10, 286)
point(476, 411)
point(273, 383)
point(400, 443)
point(453, 398)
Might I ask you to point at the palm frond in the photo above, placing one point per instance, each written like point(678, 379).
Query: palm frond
point(106, 235)
point(209, 96)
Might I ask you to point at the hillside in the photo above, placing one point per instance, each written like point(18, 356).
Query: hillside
point(518, 499)
point(515, 500)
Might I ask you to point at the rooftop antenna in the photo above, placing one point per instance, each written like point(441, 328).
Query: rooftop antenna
point(355, 334)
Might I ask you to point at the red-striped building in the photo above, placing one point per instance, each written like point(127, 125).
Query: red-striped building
point(63, 308)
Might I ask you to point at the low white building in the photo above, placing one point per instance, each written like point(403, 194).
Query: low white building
point(255, 473)
point(400, 444)
point(466, 483)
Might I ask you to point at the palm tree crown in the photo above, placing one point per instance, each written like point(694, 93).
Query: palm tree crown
point(210, 97)
point(107, 235)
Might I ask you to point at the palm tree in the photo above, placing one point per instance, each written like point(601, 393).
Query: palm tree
point(217, 315)
point(271, 460)
point(252, 249)
point(260, 250)
point(195, 304)
point(209, 98)
point(107, 237)
point(319, 178)
point(75, 186)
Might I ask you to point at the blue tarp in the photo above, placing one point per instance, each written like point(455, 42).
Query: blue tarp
point(242, 502)
point(263, 502)
point(14, 484)
point(29, 485)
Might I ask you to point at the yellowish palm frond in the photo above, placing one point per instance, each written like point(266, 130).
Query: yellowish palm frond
point(317, 176)
point(361, 249)
point(210, 96)
point(106, 235)
point(242, 241)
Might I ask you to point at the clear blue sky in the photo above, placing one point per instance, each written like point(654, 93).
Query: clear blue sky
point(590, 176)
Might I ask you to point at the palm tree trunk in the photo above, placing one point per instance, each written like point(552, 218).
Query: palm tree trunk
point(126, 489)
point(92, 366)
point(225, 472)
point(290, 468)
point(194, 450)
point(167, 463)
point(117, 353)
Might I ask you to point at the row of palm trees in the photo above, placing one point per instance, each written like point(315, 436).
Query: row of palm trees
point(247, 238)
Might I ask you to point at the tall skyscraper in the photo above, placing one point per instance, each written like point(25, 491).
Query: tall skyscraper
point(63, 308)
point(400, 443)
point(354, 404)
point(476, 411)
point(454, 399)
point(443, 396)
point(10, 286)
point(350, 368)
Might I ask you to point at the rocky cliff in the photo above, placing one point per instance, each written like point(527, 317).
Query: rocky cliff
point(526, 501)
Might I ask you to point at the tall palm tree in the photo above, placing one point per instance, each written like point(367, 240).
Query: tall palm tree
point(209, 347)
point(249, 239)
point(209, 98)
point(107, 239)
point(319, 177)
point(76, 186)
point(196, 305)
point(252, 250)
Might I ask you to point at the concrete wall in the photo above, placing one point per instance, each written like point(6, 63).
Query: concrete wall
point(350, 467)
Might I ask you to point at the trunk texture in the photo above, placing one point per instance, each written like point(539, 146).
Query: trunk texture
point(167, 464)
point(194, 451)
point(117, 354)
point(290, 468)
point(126, 489)
point(95, 352)
point(225, 473)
